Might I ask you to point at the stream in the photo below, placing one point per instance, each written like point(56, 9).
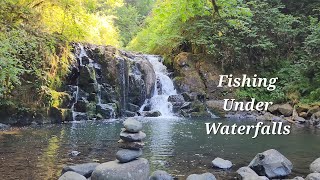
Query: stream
point(178, 146)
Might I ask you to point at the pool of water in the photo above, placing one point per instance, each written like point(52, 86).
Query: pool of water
point(178, 146)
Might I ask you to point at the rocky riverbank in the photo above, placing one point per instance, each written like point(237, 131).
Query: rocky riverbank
point(270, 164)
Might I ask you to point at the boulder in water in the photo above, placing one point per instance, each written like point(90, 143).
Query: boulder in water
point(113, 170)
point(313, 176)
point(151, 113)
point(82, 169)
point(132, 125)
point(315, 166)
point(221, 163)
point(126, 155)
point(205, 176)
point(160, 175)
point(271, 163)
point(72, 176)
point(131, 137)
point(247, 173)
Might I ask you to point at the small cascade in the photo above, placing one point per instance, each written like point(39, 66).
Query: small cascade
point(163, 88)
point(84, 61)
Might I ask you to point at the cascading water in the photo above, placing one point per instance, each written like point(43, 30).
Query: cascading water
point(163, 88)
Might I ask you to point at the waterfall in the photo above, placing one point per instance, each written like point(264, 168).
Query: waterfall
point(163, 87)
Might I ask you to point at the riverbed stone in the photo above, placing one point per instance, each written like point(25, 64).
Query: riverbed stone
point(130, 145)
point(126, 155)
point(313, 176)
point(70, 175)
point(315, 166)
point(205, 176)
point(113, 170)
point(247, 173)
point(132, 125)
point(151, 113)
point(85, 169)
point(4, 126)
point(132, 137)
point(160, 175)
point(221, 163)
point(285, 109)
point(298, 178)
point(271, 163)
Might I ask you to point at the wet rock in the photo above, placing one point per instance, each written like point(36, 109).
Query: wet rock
point(313, 176)
point(130, 114)
point(106, 110)
point(176, 99)
point(133, 107)
point(127, 155)
point(72, 176)
point(205, 176)
point(221, 163)
point(247, 173)
point(58, 115)
point(80, 116)
point(130, 145)
point(82, 169)
point(151, 113)
point(87, 75)
point(268, 117)
point(4, 126)
point(271, 163)
point(132, 125)
point(160, 175)
point(273, 108)
point(315, 166)
point(133, 170)
point(81, 106)
point(186, 105)
point(131, 137)
point(189, 96)
point(285, 109)
point(149, 76)
point(303, 114)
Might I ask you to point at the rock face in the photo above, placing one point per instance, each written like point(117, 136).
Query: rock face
point(160, 175)
point(313, 176)
point(315, 166)
point(72, 176)
point(82, 169)
point(271, 163)
point(247, 173)
point(126, 155)
point(113, 170)
point(221, 163)
point(205, 176)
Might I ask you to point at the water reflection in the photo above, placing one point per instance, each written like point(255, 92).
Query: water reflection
point(180, 147)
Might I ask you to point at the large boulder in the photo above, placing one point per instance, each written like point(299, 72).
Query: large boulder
point(149, 76)
point(82, 169)
point(151, 113)
point(72, 176)
point(113, 170)
point(313, 176)
point(58, 115)
point(315, 166)
point(285, 109)
point(221, 163)
point(205, 176)
point(160, 175)
point(246, 173)
point(271, 163)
